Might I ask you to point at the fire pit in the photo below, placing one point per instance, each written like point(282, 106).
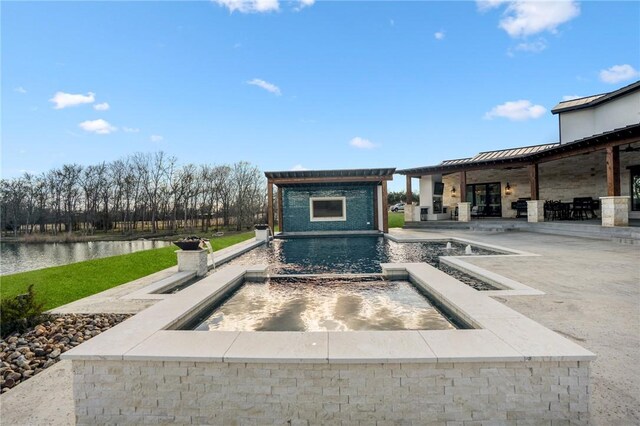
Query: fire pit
point(191, 243)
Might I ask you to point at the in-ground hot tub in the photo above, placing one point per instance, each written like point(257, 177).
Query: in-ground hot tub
point(505, 369)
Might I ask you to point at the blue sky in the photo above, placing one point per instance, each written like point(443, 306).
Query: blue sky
point(324, 84)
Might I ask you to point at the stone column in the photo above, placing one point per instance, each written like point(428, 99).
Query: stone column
point(408, 212)
point(464, 212)
point(193, 260)
point(615, 211)
point(535, 211)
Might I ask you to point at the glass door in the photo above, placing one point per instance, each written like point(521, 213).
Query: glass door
point(487, 197)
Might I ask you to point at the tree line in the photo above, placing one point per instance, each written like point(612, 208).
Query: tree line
point(141, 192)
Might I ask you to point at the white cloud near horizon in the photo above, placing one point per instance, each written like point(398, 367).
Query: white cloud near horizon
point(618, 73)
point(101, 107)
point(64, 100)
point(362, 143)
point(130, 129)
point(516, 111)
point(99, 126)
point(269, 87)
point(523, 18)
point(249, 6)
point(156, 138)
point(439, 35)
point(20, 89)
point(298, 168)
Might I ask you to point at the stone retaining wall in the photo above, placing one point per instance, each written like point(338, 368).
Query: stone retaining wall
point(465, 393)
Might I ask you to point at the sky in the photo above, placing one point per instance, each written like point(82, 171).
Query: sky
point(301, 84)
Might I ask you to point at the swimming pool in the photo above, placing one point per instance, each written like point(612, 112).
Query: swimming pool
point(354, 255)
point(324, 304)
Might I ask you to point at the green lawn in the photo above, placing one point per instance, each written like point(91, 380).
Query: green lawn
point(396, 220)
point(63, 284)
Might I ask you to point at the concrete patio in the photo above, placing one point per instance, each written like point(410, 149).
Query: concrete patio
point(592, 295)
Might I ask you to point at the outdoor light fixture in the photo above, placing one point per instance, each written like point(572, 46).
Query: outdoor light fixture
point(507, 189)
point(453, 191)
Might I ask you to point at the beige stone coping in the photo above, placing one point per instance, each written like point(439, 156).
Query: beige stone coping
point(502, 334)
point(506, 286)
point(154, 290)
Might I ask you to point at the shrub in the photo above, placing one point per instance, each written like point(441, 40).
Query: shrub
point(20, 312)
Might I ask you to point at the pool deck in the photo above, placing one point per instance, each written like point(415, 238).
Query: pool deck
point(591, 295)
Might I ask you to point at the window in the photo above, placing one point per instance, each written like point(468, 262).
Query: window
point(327, 208)
point(635, 188)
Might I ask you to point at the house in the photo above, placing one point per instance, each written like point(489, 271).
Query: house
point(597, 156)
point(325, 201)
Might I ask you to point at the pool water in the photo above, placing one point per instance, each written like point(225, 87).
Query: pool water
point(346, 255)
point(322, 304)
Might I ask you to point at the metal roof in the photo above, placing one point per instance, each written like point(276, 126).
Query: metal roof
point(528, 154)
point(512, 152)
point(318, 174)
point(591, 101)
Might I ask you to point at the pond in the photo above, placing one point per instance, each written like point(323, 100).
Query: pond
point(20, 257)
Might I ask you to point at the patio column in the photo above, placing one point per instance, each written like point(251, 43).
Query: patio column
point(615, 211)
point(408, 208)
point(535, 211)
point(280, 215)
point(463, 187)
point(533, 181)
point(613, 171)
point(464, 212)
point(270, 204)
point(385, 208)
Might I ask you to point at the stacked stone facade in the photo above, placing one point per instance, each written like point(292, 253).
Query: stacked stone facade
point(466, 393)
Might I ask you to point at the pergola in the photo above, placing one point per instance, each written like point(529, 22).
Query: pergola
point(326, 177)
point(530, 157)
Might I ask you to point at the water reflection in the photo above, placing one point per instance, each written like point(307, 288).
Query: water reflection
point(321, 304)
point(345, 254)
point(20, 257)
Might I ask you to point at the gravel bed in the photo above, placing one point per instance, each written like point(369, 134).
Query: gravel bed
point(23, 355)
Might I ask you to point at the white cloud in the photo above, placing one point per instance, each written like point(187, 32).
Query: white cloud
point(527, 17)
point(304, 3)
point(20, 89)
point(156, 138)
point(64, 100)
point(101, 107)
point(439, 35)
point(516, 111)
point(99, 126)
point(570, 97)
point(362, 143)
point(269, 87)
point(618, 73)
point(130, 129)
point(533, 47)
point(298, 167)
point(249, 6)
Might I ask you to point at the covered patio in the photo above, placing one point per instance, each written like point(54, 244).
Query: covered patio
point(595, 178)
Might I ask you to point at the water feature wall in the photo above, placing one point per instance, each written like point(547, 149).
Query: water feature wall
point(359, 208)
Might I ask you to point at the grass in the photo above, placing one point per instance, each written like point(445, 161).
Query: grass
point(396, 220)
point(60, 285)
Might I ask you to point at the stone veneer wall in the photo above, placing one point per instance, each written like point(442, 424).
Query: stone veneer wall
point(579, 176)
point(125, 392)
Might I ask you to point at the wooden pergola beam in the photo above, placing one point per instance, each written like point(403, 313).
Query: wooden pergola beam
point(385, 208)
point(280, 213)
point(270, 204)
point(333, 179)
point(613, 171)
